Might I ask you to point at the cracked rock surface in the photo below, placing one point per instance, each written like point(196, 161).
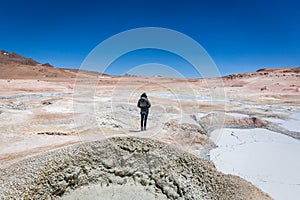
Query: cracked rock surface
point(124, 165)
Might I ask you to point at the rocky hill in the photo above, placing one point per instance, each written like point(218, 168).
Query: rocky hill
point(14, 66)
point(11, 57)
point(280, 70)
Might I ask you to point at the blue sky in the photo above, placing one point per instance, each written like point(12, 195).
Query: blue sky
point(240, 36)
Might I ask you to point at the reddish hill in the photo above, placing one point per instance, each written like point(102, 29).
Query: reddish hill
point(11, 57)
point(14, 66)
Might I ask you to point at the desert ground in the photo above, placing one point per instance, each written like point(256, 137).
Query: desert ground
point(243, 124)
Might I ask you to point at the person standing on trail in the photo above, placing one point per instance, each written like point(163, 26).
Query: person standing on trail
point(144, 104)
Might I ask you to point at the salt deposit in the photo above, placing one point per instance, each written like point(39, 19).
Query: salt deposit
point(267, 159)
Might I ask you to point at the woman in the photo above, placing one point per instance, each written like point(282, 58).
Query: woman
point(144, 105)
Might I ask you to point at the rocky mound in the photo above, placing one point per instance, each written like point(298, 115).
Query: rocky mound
point(125, 165)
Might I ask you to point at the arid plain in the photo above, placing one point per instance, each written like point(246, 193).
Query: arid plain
point(246, 124)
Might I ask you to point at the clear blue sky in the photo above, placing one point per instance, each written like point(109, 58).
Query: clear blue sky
point(239, 35)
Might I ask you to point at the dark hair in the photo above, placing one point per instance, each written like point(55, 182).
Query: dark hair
point(144, 95)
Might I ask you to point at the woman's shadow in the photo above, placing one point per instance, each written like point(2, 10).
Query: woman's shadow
point(134, 130)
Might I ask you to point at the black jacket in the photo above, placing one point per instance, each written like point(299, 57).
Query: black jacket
point(144, 109)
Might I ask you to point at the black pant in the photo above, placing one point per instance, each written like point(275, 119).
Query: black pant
point(144, 116)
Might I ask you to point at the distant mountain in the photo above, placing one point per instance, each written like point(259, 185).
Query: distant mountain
point(14, 66)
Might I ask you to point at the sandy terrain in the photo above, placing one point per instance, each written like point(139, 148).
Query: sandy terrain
point(43, 108)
